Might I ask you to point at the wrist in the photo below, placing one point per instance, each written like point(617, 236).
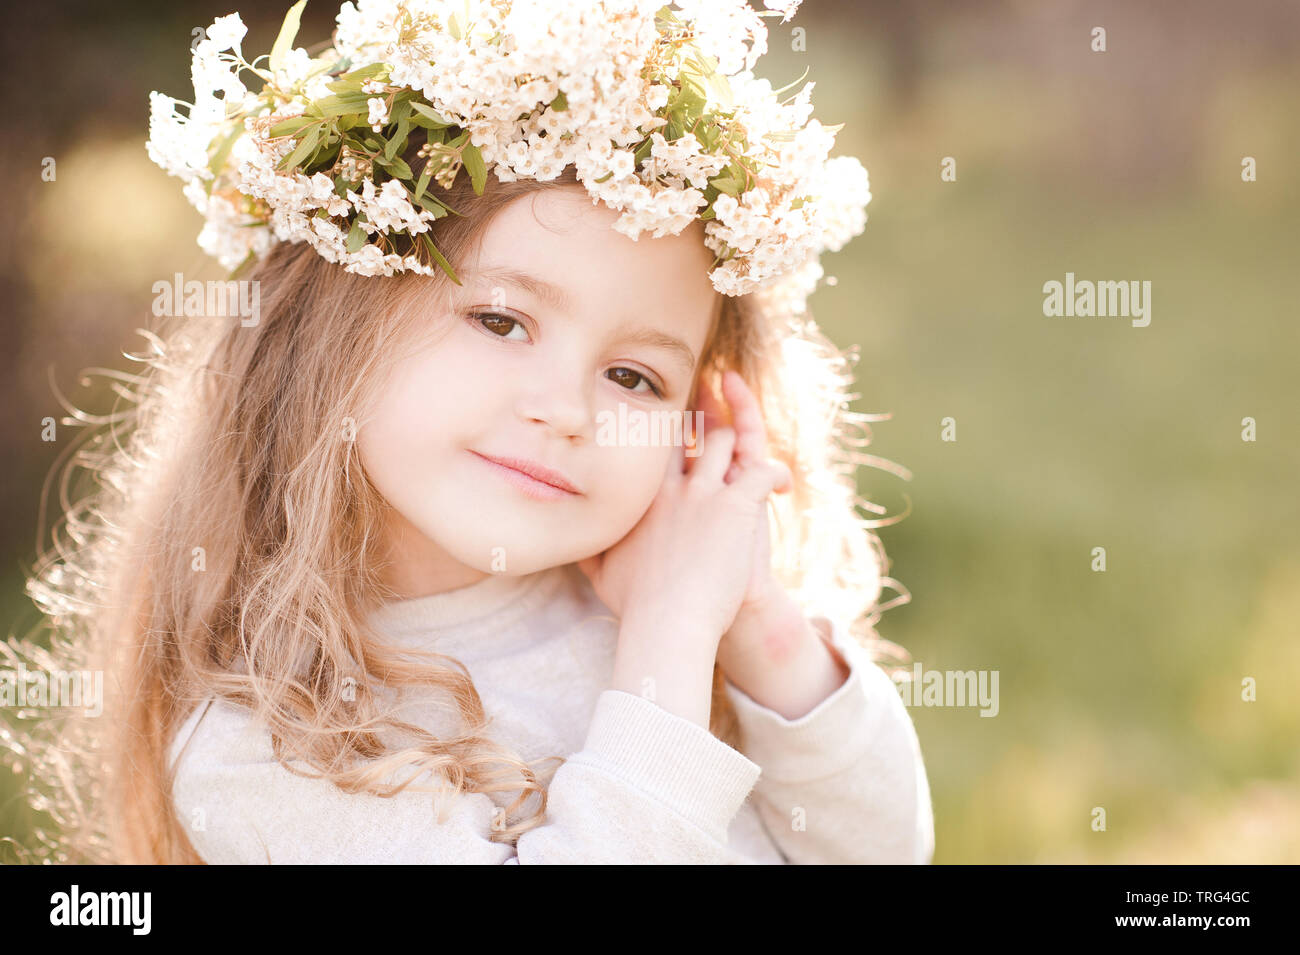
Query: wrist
point(773, 627)
point(789, 669)
point(668, 661)
point(669, 627)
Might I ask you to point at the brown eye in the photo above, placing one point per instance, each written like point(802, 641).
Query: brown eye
point(499, 325)
point(631, 379)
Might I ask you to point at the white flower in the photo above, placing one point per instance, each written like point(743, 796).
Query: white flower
point(177, 143)
point(226, 33)
point(783, 202)
point(297, 67)
point(209, 73)
point(378, 113)
point(842, 206)
point(786, 7)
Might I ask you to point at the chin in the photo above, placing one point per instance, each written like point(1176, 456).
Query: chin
point(508, 557)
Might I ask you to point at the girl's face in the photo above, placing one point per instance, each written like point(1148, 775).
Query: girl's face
point(559, 322)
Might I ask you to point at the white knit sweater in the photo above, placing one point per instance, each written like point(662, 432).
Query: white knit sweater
point(845, 783)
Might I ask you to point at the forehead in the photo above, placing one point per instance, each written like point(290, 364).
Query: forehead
point(568, 242)
point(560, 234)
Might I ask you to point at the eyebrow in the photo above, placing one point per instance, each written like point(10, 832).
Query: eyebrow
point(559, 299)
point(551, 294)
point(669, 343)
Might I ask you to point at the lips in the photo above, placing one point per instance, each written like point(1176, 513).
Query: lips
point(532, 477)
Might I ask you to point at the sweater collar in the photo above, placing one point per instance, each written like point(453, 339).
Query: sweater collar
point(499, 597)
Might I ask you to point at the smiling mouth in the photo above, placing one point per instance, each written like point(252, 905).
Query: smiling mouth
point(537, 485)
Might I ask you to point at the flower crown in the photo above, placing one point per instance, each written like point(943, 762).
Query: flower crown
point(657, 108)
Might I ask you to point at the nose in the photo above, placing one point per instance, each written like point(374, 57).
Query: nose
point(560, 398)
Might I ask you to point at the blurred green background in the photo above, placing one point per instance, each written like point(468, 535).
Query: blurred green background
point(1119, 689)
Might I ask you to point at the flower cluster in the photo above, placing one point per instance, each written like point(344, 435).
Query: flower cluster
point(655, 105)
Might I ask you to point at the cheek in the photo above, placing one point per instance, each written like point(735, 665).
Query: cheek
point(425, 393)
point(630, 478)
point(405, 414)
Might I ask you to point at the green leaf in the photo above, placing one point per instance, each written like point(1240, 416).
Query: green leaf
point(425, 175)
point(726, 182)
point(219, 157)
point(560, 103)
point(473, 160)
point(438, 256)
point(338, 105)
point(429, 113)
point(306, 146)
point(691, 100)
point(395, 145)
point(356, 237)
point(288, 32)
point(365, 72)
point(351, 82)
point(290, 126)
point(714, 83)
point(436, 206)
point(397, 166)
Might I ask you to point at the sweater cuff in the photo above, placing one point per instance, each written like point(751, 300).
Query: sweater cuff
point(828, 739)
point(666, 756)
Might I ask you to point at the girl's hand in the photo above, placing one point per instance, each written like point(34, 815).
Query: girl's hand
point(746, 416)
point(691, 558)
point(771, 651)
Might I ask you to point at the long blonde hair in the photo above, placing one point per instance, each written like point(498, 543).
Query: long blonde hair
point(227, 543)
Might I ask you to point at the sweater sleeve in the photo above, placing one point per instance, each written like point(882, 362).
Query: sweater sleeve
point(647, 787)
point(844, 783)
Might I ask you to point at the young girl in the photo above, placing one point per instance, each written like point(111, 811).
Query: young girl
point(399, 573)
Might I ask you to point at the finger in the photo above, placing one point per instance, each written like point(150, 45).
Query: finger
point(747, 414)
point(760, 480)
point(737, 469)
point(787, 481)
point(718, 447)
